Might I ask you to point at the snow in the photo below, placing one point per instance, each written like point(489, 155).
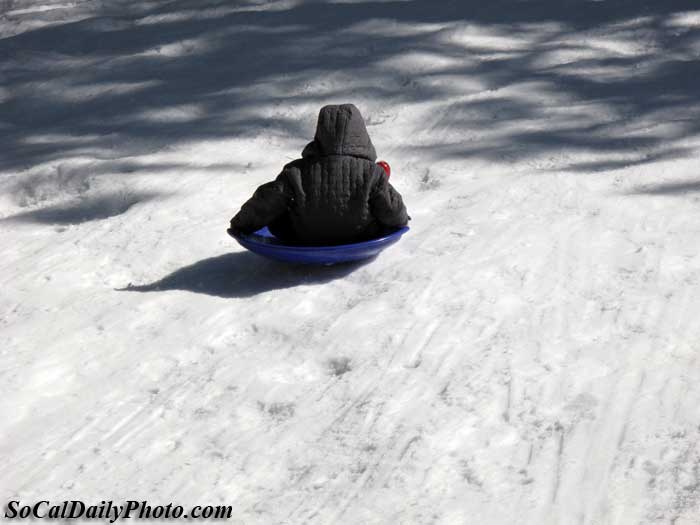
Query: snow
point(526, 354)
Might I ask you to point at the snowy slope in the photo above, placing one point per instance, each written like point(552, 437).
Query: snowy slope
point(526, 354)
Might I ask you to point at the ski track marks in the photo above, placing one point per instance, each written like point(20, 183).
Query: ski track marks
point(526, 354)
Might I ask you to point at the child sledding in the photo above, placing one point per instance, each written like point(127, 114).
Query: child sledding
point(335, 194)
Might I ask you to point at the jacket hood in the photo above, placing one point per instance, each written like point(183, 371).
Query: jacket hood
point(340, 131)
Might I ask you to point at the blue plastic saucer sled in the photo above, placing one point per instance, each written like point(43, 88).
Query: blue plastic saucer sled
point(264, 243)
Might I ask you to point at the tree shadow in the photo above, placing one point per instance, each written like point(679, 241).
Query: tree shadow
point(244, 274)
point(668, 188)
point(611, 165)
point(131, 81)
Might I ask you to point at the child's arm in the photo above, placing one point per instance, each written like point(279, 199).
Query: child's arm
point(267, 203)
point(386, 204)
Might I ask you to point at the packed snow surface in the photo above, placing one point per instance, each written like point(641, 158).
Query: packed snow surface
point(527, 354)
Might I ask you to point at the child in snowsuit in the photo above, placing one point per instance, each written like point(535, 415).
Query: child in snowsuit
point(334, 194)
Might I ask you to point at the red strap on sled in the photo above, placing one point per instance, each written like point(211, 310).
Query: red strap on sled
point(385, 166)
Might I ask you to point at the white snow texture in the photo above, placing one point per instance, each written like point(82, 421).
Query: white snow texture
point(527, 354)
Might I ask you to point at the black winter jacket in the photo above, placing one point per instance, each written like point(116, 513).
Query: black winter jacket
point(334, 194)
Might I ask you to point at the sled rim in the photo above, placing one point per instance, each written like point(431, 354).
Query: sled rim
point(268, 240)
point(263, 243)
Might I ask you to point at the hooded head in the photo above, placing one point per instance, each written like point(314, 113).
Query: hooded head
point(341, 131)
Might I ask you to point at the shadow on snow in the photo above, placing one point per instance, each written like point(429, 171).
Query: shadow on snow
point(243, 274)
point(130, 81)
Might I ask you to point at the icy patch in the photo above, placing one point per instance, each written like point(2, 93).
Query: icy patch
point(75, 93)
point(620, 46)
point(38, 9)
point(421, 61)
point(473, 37)
point(167, 18)
point(684, 19)
point(62, 91)
point(180, 48)
point(49, 138)
point(391, 27)
point(181, 113)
